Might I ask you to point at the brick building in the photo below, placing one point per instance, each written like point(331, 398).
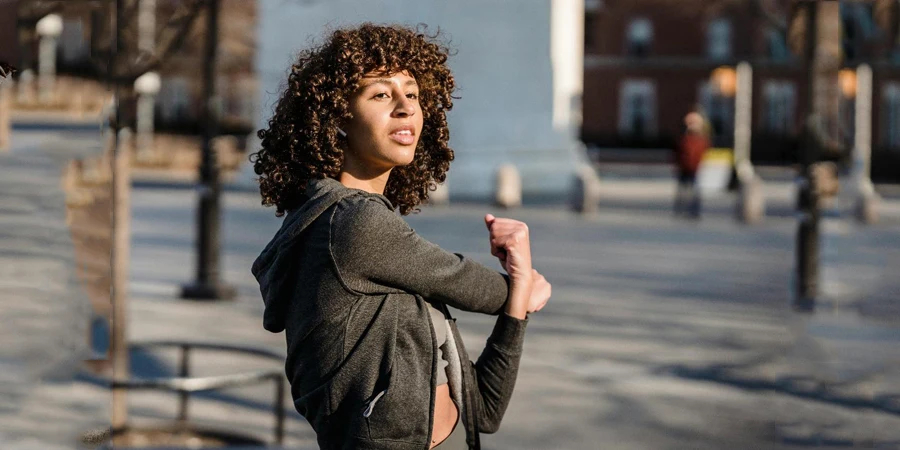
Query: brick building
point(648, 62)
point(9, 51)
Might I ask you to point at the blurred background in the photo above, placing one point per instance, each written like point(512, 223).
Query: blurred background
point(712, 188)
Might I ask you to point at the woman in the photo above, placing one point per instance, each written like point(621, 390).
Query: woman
point(374, 358)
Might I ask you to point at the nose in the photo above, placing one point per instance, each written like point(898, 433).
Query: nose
point(405, 107)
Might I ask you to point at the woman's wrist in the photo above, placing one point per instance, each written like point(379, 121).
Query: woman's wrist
point(519, 295)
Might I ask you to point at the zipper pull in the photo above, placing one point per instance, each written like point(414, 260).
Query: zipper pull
point(371, 404)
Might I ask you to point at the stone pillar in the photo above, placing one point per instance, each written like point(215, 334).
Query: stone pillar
point(5, 113)
point(586, 190)
point(49, 28)
point(867, 200)
point(508, 192)
point(751, 199)
point(743, 110)
point(440, 196)
point(25, 93)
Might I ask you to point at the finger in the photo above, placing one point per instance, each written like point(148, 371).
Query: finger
point(489, 220)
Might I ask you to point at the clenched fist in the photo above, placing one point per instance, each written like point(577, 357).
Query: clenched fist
point(529, 291)
point(511, 244)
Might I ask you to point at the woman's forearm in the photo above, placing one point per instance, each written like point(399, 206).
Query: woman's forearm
point(496, 371)
point(517, 300)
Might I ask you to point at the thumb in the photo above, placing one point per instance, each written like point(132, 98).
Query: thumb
point(489, 220)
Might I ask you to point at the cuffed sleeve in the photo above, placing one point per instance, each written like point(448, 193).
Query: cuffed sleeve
point(373, 248)
point(496, 370)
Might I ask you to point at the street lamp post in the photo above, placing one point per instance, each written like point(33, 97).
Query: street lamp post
point(147, 87)
point(208, 286)
point(49, 28)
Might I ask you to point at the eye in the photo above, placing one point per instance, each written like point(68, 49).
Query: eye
point(413, 96)
point(381, 95)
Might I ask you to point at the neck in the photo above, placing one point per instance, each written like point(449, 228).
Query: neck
point(374, 183)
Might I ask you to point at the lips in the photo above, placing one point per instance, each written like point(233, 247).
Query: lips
point(405, 135)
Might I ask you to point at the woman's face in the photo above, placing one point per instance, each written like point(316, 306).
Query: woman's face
point(387, 120)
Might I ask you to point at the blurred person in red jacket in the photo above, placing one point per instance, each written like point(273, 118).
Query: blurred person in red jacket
point(689, 153)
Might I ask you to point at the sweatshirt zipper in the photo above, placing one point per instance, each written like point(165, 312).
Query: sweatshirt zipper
point(371, 404)
point(433, 377)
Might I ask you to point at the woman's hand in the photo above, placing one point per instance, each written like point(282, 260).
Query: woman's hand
point(510, 243)
point(540, 292)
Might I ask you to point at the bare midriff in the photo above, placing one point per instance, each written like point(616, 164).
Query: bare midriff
point(445, 415)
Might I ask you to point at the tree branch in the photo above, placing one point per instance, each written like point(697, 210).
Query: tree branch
point(133, 63)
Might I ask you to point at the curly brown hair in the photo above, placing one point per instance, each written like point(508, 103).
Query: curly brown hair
point(301, 142)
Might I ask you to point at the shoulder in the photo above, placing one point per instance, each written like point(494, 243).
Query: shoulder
point(359, 218)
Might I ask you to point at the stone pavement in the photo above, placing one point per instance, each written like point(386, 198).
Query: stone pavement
point(45, 313)
point(648, 314)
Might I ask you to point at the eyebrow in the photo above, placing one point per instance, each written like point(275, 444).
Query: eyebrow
point(385, 81)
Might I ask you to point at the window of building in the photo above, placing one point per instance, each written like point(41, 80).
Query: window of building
point(174, 99)
point(73, 45)
point(847, 119)
point(780, 100)
point(637, 109)
point(891, 114)
point(776, 45)
point(639, 37)
point(718, 39)
point(590, 30)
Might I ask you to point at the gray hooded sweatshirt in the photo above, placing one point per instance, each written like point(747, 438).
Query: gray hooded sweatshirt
point(347, 279)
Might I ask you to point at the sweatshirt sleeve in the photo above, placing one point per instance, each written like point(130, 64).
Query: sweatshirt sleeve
point(496, 371)
point(374, 248)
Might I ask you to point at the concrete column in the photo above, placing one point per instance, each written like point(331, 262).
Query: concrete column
point(5, 113)
point(567, 62)
point(25, 94)
point(49, 28)
point(743, 110)
point(508, 192)
point(751, 200)
point(867, 199)
point(440, 196)
point(586, 190)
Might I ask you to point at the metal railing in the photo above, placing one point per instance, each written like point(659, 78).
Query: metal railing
point(185, 385)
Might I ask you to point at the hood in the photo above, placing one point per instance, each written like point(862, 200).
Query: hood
point(272, 266)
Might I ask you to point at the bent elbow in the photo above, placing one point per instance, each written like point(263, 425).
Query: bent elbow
point(489, 424)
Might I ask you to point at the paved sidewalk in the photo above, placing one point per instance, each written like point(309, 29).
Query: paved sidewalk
point(45, 313)
point(644, 308)
point(662, 334)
